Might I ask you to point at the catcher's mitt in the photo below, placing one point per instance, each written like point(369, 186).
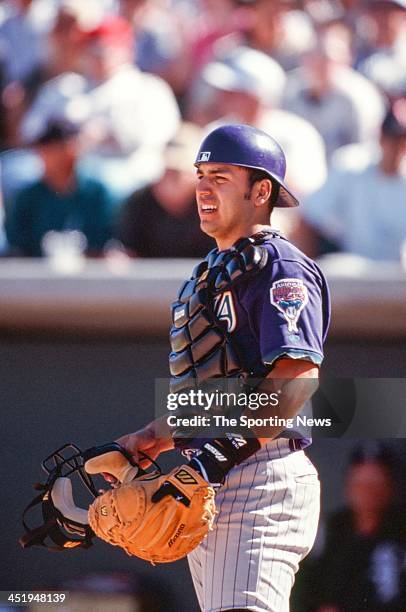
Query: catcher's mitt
point(160, 519)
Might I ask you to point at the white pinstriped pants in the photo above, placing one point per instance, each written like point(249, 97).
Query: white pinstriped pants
point(268, 513)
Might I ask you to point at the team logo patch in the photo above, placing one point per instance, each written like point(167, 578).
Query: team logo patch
point(185, 478)
point(290, 296)
point(204, 156)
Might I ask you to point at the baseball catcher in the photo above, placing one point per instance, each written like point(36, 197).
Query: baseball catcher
point(253, 317)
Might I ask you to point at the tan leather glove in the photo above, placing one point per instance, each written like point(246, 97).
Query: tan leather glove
point(159, 528)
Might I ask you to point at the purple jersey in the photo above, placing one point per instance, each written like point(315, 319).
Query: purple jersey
point(283, 310)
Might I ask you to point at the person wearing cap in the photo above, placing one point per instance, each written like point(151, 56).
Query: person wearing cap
point(253, 317)
point(132, 114)
point(161, 220)
point(61, 200)
point(361, 207)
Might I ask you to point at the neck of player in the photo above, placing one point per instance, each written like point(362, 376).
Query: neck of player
point(226, 242)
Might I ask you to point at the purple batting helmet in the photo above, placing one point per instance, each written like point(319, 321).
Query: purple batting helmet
point(244, 145)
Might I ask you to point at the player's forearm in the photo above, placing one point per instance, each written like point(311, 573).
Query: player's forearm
point(293, 383)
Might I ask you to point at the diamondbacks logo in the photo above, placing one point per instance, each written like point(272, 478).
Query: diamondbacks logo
point(185, 477)
point(204, 156)
point(290, 296)
point(225, 311)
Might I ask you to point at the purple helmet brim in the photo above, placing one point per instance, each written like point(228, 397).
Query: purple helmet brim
point(286, 199)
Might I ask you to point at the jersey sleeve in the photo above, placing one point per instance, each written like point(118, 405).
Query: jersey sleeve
point(293, 312)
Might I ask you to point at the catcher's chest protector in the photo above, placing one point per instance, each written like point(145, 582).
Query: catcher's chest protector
point(201, 347)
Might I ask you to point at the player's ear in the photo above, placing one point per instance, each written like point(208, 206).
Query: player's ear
point(262, 192)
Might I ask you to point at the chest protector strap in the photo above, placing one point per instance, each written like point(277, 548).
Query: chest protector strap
point(202, 348)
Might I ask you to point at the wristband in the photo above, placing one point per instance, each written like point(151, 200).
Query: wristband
point(214, 458)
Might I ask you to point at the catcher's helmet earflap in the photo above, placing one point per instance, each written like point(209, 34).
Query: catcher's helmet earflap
point(244, 145)
point(65, 524)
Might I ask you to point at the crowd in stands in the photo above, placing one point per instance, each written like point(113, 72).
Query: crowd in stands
point(103, 104)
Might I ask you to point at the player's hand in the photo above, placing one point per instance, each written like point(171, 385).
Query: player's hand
point(146, 440)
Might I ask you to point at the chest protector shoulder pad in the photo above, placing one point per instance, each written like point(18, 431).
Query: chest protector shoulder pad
point(201, 346)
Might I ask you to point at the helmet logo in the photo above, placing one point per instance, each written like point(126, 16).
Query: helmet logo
point(204, 156)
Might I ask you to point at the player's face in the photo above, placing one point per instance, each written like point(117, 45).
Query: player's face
point(224, 204)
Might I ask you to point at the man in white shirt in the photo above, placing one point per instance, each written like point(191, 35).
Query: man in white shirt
point(129, 115)
point(362, 207)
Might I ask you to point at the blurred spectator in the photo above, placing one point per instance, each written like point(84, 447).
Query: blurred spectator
point(130, 115)
point(323, 12)
point(385, 64)
point(362, 209)
point(162, 220)
point(331, 95)
point(246, 87)
point(60, 200)
point(217, 19)
point(276, 28)
point(23, 51)
point(22, 38)
point(362, 567)
point(64, 43)
point(55, 84)
point(161, 40)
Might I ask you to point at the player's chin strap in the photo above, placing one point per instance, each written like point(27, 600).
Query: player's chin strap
point(66, 524)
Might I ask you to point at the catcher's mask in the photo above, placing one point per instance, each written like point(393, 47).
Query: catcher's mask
point(66, 524)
